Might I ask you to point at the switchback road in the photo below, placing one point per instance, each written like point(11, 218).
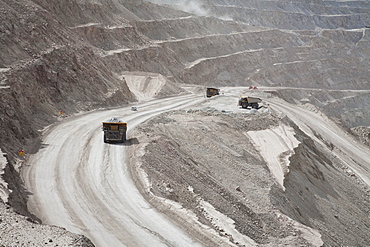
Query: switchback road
point(80, 183)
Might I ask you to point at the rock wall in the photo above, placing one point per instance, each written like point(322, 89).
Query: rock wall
point(70, 56)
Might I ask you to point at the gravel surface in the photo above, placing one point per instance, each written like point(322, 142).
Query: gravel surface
point(205, 156)
point(18, 231)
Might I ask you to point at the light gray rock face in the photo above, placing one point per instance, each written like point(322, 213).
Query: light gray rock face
point(59, 58)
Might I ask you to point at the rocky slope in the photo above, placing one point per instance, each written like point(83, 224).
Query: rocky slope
point(207, 154)
point(24, 231)
point(73, 56)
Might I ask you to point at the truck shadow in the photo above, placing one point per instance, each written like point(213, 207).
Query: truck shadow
point(38, 145)
point(128, 142)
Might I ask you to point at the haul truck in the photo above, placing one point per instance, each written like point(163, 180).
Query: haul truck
point(114, 130)
point(244, 102)
point(211, 91)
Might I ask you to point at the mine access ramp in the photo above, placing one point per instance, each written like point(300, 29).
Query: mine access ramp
point(114, 130)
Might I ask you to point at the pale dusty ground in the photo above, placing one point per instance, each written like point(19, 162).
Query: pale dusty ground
point(144, 86)
point(209, 146)
point(98, 181)
point(67, 49)
point(276, 145)
point(207, 167)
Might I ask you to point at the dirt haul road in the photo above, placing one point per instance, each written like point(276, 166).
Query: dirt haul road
point(82, 184)
point(355, 155)
point(78, 182)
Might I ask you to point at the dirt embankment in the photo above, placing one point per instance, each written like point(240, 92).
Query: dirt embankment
point(23, 231)
point(204, 156)
point(201, 157)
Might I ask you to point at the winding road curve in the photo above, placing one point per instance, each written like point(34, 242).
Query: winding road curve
point(80, 183)
point(355, 155)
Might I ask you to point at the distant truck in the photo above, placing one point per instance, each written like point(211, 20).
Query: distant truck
point(245, 102)
point(114, 130)
point(211, 91)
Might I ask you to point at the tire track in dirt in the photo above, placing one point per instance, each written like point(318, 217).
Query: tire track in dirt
point(89, 183)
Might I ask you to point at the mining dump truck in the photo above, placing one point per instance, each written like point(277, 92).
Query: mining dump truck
point(211, 91)
point(244, 102)
point(114, 130)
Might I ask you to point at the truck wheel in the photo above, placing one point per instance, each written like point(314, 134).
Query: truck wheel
point(245, 105)
point(123, 137)
point(255, 105)
point(105, 139)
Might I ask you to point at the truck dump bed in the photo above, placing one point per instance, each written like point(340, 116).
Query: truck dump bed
point(114, 130)
point(253, 100)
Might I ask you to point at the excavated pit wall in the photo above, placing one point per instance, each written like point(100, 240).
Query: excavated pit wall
point(49, 62)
